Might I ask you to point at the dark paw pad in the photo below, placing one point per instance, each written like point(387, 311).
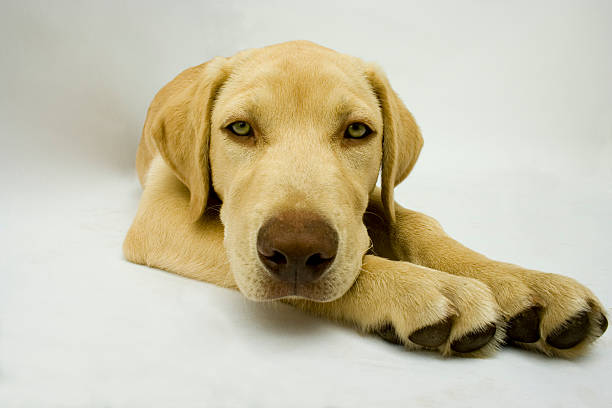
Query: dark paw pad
point(603, 324)
point(432, 336)
point(525, 326)
point(572, 332)
point(387, 332)
point(474, 340)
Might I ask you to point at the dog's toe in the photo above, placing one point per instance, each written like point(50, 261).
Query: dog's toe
point(525, 327)
point(432, 336)
point(474, 340)
point(572, 332)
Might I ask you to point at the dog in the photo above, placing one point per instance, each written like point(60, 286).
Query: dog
point(259, 173)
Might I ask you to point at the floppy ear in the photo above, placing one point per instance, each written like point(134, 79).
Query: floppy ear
point(402, 140)
point(178, 126)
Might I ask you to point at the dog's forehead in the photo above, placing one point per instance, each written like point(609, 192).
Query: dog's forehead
point(298, 76)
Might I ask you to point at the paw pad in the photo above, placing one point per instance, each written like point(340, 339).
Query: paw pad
point(572, 332)
point(525, 326)
point(474, 340)
point(603, 324)
point(432, 336)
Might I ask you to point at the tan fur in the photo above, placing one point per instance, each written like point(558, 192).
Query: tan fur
point(206, 193)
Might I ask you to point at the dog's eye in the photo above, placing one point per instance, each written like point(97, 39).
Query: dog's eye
point(240, 128)
point(357, 131)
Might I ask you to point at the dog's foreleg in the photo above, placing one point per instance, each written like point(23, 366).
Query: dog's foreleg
point(547, 312)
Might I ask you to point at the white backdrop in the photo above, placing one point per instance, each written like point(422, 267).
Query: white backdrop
point(515, 103)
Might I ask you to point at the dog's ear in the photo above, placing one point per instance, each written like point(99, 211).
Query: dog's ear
point(402, 140)
point(178, 126)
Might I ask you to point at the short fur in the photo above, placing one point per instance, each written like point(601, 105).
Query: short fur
point(206, 193)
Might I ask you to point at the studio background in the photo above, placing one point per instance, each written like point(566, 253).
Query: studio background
point(514, 100)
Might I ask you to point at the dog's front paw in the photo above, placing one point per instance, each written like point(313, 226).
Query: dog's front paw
point(428, 309)
point(549, 313)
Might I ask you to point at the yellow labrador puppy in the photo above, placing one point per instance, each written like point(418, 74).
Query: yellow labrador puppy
point(259, 174)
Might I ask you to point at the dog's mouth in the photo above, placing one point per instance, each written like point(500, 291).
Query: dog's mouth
point(322, 290)
point(293, 290)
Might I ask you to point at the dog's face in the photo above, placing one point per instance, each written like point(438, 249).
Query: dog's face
point(292, 138)
point(295, 164)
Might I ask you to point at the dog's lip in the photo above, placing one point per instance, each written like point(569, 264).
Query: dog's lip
point(276, 290)
point(292, 296)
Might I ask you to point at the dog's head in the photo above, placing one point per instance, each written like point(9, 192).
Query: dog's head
point(292, 138)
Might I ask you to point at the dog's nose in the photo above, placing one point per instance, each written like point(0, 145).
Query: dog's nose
point(297, 247)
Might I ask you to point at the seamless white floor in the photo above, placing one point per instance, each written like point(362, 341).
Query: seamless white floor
point(517, 119)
